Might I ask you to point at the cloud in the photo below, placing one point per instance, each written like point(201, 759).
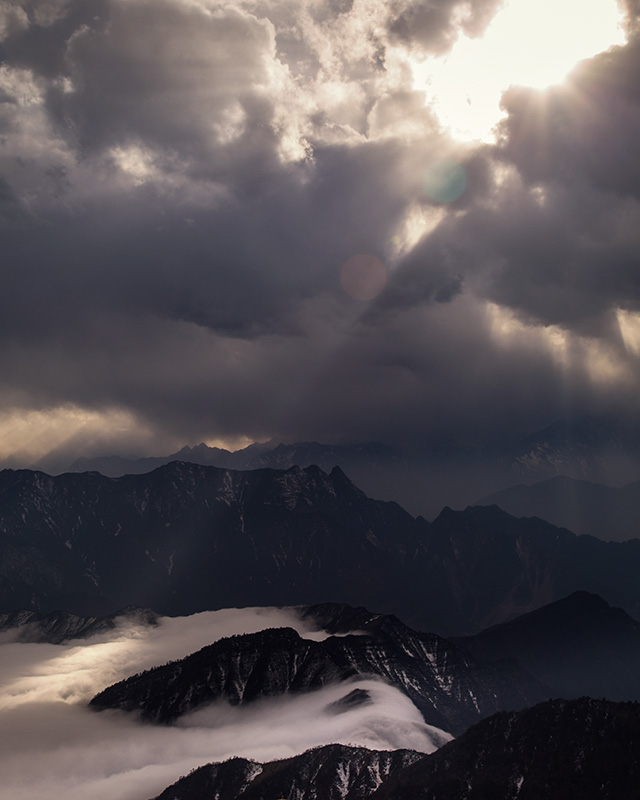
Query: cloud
point(183, 183)
point(56, 745)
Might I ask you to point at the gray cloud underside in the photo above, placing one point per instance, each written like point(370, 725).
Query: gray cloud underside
point(183, 181)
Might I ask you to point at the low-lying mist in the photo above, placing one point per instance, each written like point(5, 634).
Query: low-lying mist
point(51, 744)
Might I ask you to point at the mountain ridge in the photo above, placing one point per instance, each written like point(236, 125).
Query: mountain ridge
point(447, 685)
point(607, 512)
point(423, 479)
point(188, 538)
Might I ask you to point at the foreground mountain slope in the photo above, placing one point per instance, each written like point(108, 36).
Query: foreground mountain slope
point(557, 750)
point(610, 513)
point(332, 772)
point(449, 688)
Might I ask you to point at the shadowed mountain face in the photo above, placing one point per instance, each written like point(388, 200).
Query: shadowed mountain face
point(578, 645)
point(557, 750)
point(446, 684)
point(612, 514)
point(186, 538)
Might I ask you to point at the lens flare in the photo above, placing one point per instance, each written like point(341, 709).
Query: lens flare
point(445, 181)
point(363, 277)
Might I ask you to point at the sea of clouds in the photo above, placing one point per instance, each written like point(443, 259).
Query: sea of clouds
point(52, 745)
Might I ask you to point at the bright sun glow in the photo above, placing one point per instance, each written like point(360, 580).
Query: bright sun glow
point(528, 43)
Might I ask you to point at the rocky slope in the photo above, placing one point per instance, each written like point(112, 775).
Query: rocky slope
point(333, 772)
point(185, 538)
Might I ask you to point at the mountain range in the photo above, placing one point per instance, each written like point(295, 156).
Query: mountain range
point(424, 480)
point(186, 538)
point(528, 604)
point(610, 513)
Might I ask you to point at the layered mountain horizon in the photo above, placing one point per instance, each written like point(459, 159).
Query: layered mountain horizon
point(487, 633)
point(348, 662)
point(187, 538)
point(425, 479)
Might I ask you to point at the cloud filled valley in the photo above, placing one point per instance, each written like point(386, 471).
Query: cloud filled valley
point(52, 743)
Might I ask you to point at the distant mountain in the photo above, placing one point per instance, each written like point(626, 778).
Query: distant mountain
point(187, 538)
point(587, 448)
point(60, 626)
point(269, 455)
point(424, 480)
point(491, 567)
point(610, 513)
point(446, 684)
point(579, 645)
point(558, 750)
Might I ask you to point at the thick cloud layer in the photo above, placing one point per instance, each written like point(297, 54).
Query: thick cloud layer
point(183, 182)
point(51, 744)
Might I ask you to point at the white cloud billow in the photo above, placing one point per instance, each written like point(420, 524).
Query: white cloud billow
point(51, 744)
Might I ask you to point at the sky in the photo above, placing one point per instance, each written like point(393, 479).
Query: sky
point(329, 220)
point(52, 745)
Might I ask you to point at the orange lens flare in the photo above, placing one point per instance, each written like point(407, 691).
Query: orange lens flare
point(363, 277)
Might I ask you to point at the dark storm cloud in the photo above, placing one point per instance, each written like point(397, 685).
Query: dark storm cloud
point(172, 76)
point(182, 183)
point(585, 130)
point(575, 148)
point(36, 32)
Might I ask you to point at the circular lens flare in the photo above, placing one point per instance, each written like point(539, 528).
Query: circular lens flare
point(445, 181)
point(363, 277)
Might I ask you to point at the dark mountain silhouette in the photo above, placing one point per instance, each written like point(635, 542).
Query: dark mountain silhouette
point(560, 749)
point(578, 645)
point(610, 513)
point(186, 538)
